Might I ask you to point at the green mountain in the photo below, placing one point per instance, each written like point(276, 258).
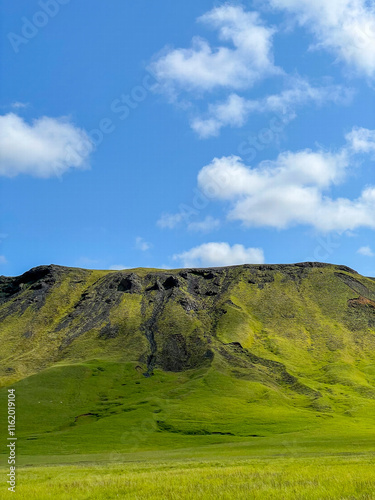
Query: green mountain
point(112, 361)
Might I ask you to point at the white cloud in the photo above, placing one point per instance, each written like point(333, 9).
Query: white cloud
point(235, 110)
point(206, 225)
point(345, 28)
point(289, 191)
point(3, 259)
point(362, 140)
point(366, 251)
point(118, 267)
point(244, 58)
point(220, 254)
point(45, 148)
point(203, 67)
point(141, 244)
point(232, 112)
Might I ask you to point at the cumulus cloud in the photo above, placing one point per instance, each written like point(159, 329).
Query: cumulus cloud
point(117, 267)
point(235, 110)
point(220, 254)
point(3, 259)
point(366, 251)
point(206, 225)
point(243, 58)
point(246, 59)
point(345, 28)
point(291, 190)
point(45, 148)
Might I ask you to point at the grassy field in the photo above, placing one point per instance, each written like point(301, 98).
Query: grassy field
point(292, 476)
point(102, 430)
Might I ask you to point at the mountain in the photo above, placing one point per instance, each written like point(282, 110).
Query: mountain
point(110, 360)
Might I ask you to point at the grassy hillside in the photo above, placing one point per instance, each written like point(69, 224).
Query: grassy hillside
point(258, 357)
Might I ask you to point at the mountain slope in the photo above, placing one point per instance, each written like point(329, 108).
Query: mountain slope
point(152, 358)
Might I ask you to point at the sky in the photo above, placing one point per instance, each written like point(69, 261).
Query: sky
point(183, 134)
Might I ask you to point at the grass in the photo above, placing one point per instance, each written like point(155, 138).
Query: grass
point(196, 434)
point(64, 408)
point(287, 478)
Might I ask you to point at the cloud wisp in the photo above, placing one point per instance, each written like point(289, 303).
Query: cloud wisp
point(142, 244)
point(366, 251)
point(235, 110)
point(207, 225)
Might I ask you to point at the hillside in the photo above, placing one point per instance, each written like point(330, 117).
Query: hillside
point(106, 361)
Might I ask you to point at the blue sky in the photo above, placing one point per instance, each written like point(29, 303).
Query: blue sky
point(201, 133)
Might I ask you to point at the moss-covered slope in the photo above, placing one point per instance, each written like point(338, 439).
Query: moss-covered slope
point(239, 351)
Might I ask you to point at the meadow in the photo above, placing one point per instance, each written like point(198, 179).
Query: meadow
point(222, 472)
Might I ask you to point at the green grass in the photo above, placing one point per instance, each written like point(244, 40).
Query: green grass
point(288, 477)
point(196, 434)
point(64, 408)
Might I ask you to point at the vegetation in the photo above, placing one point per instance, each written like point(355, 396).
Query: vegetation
point(239, 382)
point(287, 478)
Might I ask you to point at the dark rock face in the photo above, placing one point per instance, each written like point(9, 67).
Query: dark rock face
point(109, 331)
point(174, 356)
point(171, 282)
point(37, 283)
point(125, 285)
point(168, 348)
point(355, 285)
point(38, 278)
point(130, 284)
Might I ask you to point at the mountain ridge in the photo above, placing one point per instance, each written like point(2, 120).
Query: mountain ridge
point(265, 266)
point(30, 290)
